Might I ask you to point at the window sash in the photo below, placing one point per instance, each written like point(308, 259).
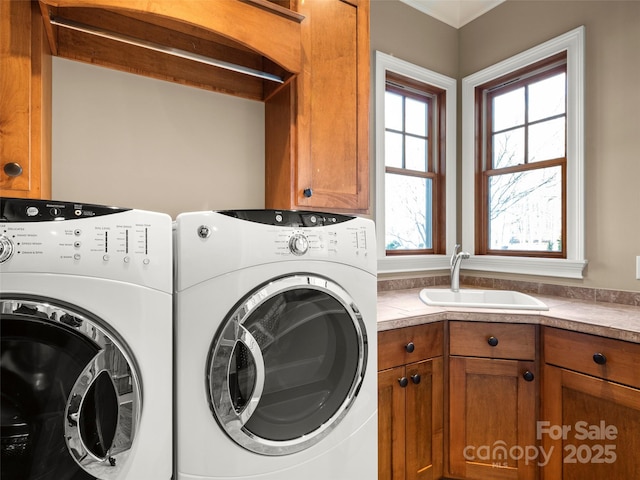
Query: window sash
point(485, 94)
point(434, 100)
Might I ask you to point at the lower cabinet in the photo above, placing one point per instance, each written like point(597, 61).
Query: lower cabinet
point(483, 409)
point(410, 403)
point(493, 405)
point(590, 423)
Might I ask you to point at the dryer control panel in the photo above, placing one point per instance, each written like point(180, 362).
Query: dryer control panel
point(41, 236)
point(215, 243)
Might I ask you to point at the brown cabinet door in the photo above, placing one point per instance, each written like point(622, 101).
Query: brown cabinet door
point(411, 421)
point(317, 127)
point(492, 418)
point(391, 424)
point(590, 427)
point(424, 420)
point(25, 85)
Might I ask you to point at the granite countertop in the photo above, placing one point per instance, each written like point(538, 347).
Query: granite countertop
point(403, 308)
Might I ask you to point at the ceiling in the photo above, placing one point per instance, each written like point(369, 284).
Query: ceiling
point(454, 12)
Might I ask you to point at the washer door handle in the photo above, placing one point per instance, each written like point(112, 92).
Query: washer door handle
point(250, 342)
point(95, 424)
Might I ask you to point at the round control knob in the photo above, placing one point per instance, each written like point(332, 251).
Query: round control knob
point(298, 244)
point(6, 249)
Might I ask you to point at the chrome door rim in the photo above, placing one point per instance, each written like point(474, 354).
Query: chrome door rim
point(231, 332)
point(109, 466)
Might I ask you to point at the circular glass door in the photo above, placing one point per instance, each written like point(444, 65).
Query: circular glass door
point(70, 397)
point(287, 364)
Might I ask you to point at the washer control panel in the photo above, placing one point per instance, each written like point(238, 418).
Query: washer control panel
point(62, 237)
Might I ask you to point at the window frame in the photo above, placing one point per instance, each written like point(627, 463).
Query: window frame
point(433, 98)
point(573, 265)
point(412, 261)
point(485, 94)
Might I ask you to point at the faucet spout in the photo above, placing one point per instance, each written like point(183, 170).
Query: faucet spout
point(456, 260)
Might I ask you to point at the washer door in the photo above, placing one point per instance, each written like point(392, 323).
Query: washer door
point(287, 364)
point(70, 397)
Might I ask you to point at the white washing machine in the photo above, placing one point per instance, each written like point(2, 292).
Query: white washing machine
point(86, 333)
point(275, 346)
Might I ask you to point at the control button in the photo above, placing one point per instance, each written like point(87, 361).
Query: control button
point(6, 249)
point(105, 257)
point(278, 218)
point(146, 261)
point(313, 219)
point(77, 212)
point(32, 211)
point(77, 232)
point(77, 256)
point(204, 231)
point(298, 244)
point(126, 259)
point(77, 244)
point(55, 212)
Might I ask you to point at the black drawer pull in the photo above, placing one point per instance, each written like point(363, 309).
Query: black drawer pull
point(415, 378)
point(528, 376)
point(493, 341)
point(403, 381)
point(599, 358)
point(410, 347)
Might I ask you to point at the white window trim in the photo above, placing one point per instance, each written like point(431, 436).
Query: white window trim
point(573, 265)
point(408, 263)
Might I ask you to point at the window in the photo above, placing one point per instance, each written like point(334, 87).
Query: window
point(521, 173)
point(415, 200)
point(523, 162)
point(412, 166)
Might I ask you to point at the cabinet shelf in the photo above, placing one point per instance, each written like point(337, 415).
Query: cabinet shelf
point(172, 41)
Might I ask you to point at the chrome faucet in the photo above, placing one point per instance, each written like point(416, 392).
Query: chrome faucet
point(456, 259)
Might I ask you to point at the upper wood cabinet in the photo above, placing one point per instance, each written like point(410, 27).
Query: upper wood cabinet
point(247, 48)
point(317, 127)
point(25, 102)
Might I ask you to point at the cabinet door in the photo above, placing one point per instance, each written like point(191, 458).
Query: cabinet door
point(590, 427)
point(424, 420)
point(391, 424)
point(492, 418)
point(317, 127)
point(25, 86)
point(410, 421)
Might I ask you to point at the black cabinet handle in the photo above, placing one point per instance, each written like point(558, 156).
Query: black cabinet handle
point(493, 341)
point(599, 358)
point(410, 347)
point(307, 192)
point(528, 376)
point(403, 381)
point(12, 169)
point(415, 378)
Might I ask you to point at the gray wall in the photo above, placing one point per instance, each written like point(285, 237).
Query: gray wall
point(132, 141)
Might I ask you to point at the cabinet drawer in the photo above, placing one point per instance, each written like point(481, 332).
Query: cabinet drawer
point(610, 359)
point(492, 340)
point(411, 344)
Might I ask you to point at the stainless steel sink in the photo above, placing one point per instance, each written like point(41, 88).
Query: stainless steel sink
point(444, 297)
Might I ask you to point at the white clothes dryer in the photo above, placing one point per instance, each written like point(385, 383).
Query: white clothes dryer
point(275, 346)
point(86, 333)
